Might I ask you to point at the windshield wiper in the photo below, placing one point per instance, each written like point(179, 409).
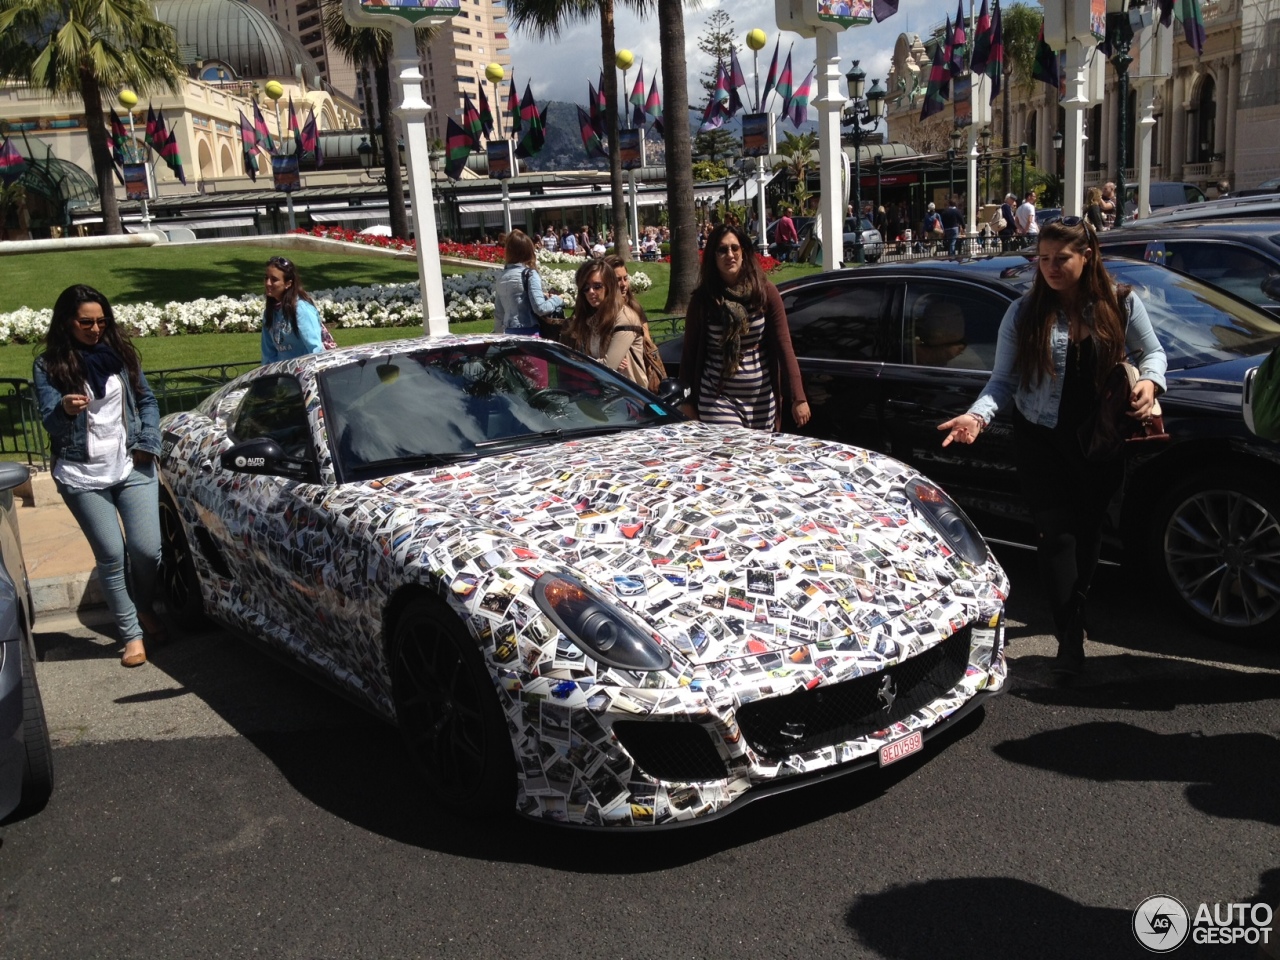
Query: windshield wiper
point(418, 459)
point(520, 440)
point(608, 428)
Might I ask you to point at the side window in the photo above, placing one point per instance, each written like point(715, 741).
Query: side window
point(1235, 269)
point(274, 407)
point(949, 326)
point(834, 321)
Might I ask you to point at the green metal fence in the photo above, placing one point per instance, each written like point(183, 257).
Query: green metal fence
point(22, 434)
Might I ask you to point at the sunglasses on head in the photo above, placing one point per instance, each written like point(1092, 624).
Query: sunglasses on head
point(1077, 222)
point(283, 262)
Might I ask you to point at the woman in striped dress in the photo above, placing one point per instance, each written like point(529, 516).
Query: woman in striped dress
point(737, 359)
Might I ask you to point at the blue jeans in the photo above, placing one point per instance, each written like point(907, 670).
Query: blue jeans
point(135, 502)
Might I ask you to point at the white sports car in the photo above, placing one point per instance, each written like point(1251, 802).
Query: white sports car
point(570, 599)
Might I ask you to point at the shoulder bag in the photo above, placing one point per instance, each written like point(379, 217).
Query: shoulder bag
point(551, 326)
point(1109, 432)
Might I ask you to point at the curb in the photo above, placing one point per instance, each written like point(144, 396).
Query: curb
point(62, 595)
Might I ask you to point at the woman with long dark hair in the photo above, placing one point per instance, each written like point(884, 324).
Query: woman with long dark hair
point(737, 360)
point(603, 326)
point(290, 322)
point(104, 431)
point(1056, 347)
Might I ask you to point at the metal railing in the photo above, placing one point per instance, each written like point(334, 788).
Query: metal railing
point(22, 433)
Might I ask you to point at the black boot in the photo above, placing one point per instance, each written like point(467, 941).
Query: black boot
point(1069, 662)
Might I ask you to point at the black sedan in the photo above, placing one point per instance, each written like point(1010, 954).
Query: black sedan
point(890, 352)
point(1240, 256)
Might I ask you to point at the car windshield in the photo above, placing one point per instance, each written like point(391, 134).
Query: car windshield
point(445, 403)
point(1197, 324)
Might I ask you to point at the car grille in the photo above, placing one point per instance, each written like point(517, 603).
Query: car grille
point(811, 719)
point(671, 750)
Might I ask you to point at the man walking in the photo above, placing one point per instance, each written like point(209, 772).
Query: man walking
point(1009, 214)
point(785, 236)
point(1028, 227)
point(952, 222)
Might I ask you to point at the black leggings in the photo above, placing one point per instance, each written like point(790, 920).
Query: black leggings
point(1068, 497)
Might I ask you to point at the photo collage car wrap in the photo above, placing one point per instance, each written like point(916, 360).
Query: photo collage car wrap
point(766, 564)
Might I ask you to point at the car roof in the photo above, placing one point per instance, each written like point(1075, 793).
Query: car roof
point(1261, 230)
point(996, 269)
point(1267, 204)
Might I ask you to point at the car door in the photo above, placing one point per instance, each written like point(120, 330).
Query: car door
point(838, 331)
point(277, 539)
point(947, 333)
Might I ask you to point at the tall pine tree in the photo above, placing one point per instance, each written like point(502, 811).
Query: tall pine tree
point(717, 41)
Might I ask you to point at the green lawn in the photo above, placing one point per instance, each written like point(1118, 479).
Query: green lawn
point(161, 274)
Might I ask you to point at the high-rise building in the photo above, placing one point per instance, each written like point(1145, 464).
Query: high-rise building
point(456, 60)
point(302, 19)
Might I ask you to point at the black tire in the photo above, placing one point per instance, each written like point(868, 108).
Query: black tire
point(37, 769)
point(448, 711)
point(177, 585)
point(1215, 539)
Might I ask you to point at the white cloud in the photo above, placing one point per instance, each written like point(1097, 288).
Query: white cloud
point(561, 69)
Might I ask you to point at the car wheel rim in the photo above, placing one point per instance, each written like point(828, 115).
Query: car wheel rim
point(174, 559)
point(441, 714)
point(1222, 551)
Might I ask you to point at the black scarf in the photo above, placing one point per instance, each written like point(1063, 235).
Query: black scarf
point(100, 364)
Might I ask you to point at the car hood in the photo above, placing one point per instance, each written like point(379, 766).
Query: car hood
point(703, 530)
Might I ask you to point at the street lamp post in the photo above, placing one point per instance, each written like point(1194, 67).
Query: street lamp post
point(275, 90)
point(985, 138)
point(1022, 152)
point(863, 114)
point(1120, 33)
point(876, 163)
point(128, 99)
point(1057, 150)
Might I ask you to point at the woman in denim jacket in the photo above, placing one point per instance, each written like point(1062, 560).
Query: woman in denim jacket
point(1056, 346)
point(513, 312)
point(104, 430)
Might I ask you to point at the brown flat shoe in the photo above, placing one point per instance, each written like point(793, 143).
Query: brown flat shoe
point(133, 659)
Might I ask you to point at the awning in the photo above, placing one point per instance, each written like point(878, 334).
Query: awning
point(355, 213)
point(536, 203)
point(203, 224)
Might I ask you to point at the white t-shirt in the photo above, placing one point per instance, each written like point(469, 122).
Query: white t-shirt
point(1026, 218)
point(108, 461)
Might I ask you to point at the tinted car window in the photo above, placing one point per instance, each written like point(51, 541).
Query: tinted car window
point(1196, 324)
point(274, 407)
point(836, 321)
point(948, 326)
point(1234, 268)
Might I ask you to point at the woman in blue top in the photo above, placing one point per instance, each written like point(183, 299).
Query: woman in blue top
point(290, 322)
point(104, 433)
point(1055, 348)
point(513, 312)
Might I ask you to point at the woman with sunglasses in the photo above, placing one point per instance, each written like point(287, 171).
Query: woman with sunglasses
point(104, 432)
point(1055, 348)
point(603, 326)
point(737, 360)
point(290, 322)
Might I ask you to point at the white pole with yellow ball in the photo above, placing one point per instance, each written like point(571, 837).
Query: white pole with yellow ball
point(623, 60)
point(756, 40)
point(128, 99)
point(494, 73)
point(275, 90)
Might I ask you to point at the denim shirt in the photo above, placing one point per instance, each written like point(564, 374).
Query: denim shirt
point(510, 309)
point(67, 434)
point(1039, 402)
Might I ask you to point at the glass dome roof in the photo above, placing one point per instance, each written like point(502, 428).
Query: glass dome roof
point(242, 37)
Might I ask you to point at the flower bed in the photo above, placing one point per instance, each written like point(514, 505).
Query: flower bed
point(468, 297)
point(365, 239)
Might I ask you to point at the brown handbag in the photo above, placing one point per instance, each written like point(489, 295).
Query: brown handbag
point(1111, 430)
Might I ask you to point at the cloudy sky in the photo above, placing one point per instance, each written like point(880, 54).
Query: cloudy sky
point(560, 70)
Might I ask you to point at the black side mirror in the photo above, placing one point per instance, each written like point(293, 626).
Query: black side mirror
point(672, 393)
point(1271, 287)
point(263, 457)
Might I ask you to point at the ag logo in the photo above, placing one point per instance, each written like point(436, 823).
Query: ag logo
point(1161, 923)
point(240, 462)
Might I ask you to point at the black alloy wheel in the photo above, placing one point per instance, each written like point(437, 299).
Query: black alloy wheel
point(178, 585)
point(1218, 542)
point(448, 711)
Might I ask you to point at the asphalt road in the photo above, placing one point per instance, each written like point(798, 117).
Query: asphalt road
point(214, 804)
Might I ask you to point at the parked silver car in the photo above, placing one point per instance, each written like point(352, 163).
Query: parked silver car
point(872, 241)
point(26, 754)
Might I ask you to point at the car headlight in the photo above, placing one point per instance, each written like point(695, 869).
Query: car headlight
point(949, 519)
point(606, 632)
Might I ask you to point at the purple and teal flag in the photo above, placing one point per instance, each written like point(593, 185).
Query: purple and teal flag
point(736, 80)
point(12, 163)
point(602, 108)
point(981, 42)
point(1188, 11)
point(785, 85)
point(995, 60)
point(457, 147)
point(293, 124)
point(486, 114)
point(471, 121)
point(534, 125)
point(935, 94)
point(959, 37)
point(772, 79)
point(637, 99)
point(513, 107)
point(590, 139)
point(593, 108)
point(119, 137)
point(884, 9)
point(800, 100)
point(1045, 68)
point(309, 138)
point(149, 135)
point(169, 152)
point(264, 135)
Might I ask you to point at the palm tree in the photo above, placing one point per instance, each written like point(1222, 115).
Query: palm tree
point(78, 48)
point(545, 19)
point(679, 157)
point(798, 149)
point(1020, 25)
point(361, 45)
